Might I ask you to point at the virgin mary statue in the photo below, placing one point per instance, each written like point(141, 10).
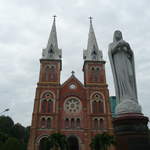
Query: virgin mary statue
point(122, 63)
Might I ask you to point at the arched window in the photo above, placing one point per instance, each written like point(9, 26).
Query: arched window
point(47, 101)
point(95, 76)
point(95, 123)
point(101, 123)
point(66, 123)
point(44, 103)
point(94, 53)
point(97, 103)
point(43, 123)
point(97, 68)
point(50, 106)
point(78, 123)
point(47, 73)
point(50, 73)
point(51, 51)
point(95, 73)
point(49, 123)
point(44, 144)
point(72, 123)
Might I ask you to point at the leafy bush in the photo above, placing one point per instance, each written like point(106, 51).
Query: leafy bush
point(13, 136)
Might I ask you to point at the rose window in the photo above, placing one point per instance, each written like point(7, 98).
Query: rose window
point(73, 105)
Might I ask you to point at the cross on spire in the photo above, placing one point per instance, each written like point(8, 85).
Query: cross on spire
point(54, 17)
point(90, 19)
point(92, 53)
point(72, 72)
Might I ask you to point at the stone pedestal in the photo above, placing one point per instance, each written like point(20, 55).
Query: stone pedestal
point(131, 132)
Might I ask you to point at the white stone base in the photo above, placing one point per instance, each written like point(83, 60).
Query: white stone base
point(128, 106)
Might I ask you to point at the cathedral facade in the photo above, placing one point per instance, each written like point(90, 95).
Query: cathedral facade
point(78, 110)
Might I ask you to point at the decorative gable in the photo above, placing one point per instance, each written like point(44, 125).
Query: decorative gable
point(72, 87)
point(72, 83)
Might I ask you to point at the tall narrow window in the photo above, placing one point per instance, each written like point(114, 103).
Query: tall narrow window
point(94, 53)
point(72, 123)
point(43, 123)
point(66, 123)
point(95, 123)
point(101, 124)
point(94, 108)
point(100, 107)
point(50, 106)
point(78, 123)
point(44, 103)
point(49, 123)
point(47, 73)
point(97, 104)
point(52, 72)
point(51, 51)
point(95, 76)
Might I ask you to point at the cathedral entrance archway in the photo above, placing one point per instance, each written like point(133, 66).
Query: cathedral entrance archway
point(73, 143)
point(44, 144)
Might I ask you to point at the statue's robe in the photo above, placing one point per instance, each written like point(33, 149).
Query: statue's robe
point(122, 64)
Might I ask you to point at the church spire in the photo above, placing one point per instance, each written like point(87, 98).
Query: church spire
point(92, 53)
point(52, 51)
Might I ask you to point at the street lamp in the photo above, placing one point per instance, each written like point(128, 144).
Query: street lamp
point(4, 111)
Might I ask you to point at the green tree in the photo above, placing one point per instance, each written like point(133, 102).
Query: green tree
point(58, 141)
point(6, 124)
point(102, 141)
point(1, 145)
point(26, 136)
point(22, 134)
point(3, 137)
point(18, 131)
point(12, 144)
point(8, 130)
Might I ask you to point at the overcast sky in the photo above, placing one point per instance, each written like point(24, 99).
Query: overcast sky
point(24, 29)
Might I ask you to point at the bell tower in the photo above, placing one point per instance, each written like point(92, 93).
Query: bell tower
point(51, 60)
point(44, 117)
point(96, 85)
point(94, 65)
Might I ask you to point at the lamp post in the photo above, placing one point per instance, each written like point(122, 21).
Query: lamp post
point(4, 111)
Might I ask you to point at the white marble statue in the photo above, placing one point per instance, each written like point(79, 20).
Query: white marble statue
point(122, 63)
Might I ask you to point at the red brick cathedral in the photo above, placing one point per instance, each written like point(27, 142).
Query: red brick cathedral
point(77, 110)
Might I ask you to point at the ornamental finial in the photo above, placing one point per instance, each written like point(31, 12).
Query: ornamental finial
point(72, 72)
point(54, 17)
point(90, 19)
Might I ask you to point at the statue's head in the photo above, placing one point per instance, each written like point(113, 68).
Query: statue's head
point(117, 36)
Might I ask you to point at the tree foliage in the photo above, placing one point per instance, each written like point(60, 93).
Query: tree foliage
point(6, 124)
point(3, 137)
point(12, 144)
point(58, 141)
point(102, 141)
point(18, 131)
point(14, 135)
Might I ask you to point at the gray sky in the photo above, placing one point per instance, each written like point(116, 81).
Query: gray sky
point(24, 29)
